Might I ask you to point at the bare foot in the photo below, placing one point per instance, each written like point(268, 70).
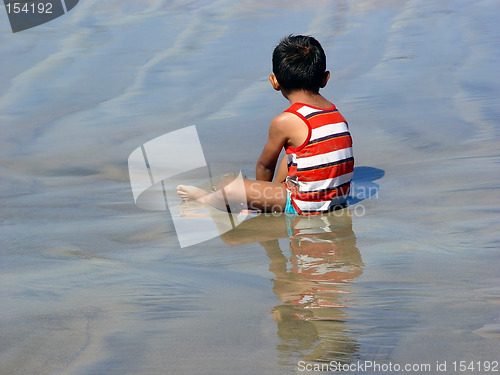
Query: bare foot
point(190, 193)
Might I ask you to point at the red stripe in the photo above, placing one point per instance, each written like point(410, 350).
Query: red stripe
point(328, 145)
point(297, 106)
point(321, 197)
point(326, 172)
point(326, 119)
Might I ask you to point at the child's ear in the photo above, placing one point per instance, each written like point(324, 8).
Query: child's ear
point(274, 82)
point(325, 79)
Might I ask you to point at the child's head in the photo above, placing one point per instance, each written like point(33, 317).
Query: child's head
point(299, 63)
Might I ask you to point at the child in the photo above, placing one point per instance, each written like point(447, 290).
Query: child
point(315, 176)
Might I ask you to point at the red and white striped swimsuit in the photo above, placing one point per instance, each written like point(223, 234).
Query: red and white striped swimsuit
point(320, 170)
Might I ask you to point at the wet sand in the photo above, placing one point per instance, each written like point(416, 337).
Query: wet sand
point(90, 283)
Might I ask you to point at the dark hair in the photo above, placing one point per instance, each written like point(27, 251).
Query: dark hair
point(299, 63)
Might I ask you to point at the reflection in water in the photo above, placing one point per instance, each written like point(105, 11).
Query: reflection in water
point(312, 284)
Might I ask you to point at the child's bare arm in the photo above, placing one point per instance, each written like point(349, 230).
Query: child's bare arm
point(282, 171)
point(266, 164)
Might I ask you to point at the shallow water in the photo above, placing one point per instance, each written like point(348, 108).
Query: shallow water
point(91, 284)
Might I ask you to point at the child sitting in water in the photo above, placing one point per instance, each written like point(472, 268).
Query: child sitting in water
point(315, 176)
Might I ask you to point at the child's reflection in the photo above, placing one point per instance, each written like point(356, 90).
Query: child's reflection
point(312, 284)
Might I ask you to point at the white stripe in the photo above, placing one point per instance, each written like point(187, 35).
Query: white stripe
point(320, 159)
point(329, 129)
point(319, 206)
point(311, 206)
point(304, 111)
point(305, 187)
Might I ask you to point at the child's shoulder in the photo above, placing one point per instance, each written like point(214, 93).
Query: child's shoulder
point(285, 120)
point(290, 128)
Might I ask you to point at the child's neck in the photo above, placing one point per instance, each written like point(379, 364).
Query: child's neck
point(311, 98)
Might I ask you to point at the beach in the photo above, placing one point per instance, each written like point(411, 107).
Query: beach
point(406, 278)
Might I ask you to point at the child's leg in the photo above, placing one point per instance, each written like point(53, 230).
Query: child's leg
point(213, 198)
point(265, 196)
point(262, 195)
